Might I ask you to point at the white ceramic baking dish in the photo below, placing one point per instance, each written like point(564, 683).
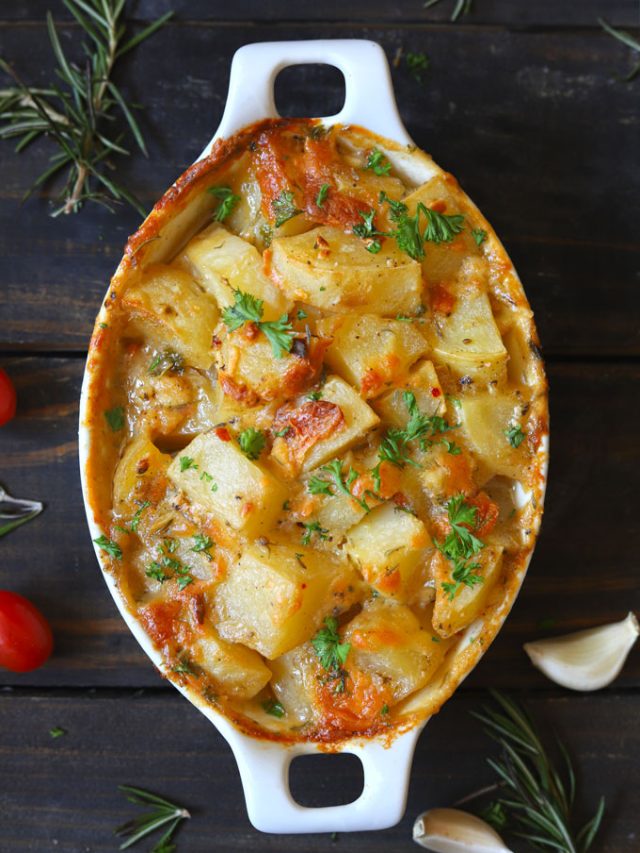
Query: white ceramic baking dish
point(264, 765)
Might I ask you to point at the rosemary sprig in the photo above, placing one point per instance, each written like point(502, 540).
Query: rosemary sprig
point(537, 801)
point(78, 111)
point(162, 814)
point(462, 7)
point(16, 511)
point(625, 38)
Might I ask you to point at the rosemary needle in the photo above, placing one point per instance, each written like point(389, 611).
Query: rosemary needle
point(537, 800)
point(77, 112)
point(625, 38)
point(162, 814)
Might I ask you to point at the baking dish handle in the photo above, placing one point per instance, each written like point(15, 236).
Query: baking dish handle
point(264, 770)
point(369, 98)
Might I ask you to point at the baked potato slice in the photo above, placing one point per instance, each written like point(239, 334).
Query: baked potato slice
point(275, 596)
point(173, 312)
point(389, 546)
point(457, 606)
point(218, 479)
point(223, 263)
point(332, 269)
point(371, 352)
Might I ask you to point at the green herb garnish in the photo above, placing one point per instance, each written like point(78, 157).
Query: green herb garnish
point(284, 208)
point(227, 202)
point(536, 800)
point(417, 63)
point(331, 652)
point(322, 195)
point(378, 163)
point(162, 814)
point(515, 435)
point(271, 706)
point(57, 732)
point(479, 235)
point(460, 545)
point(202, 544)
point(109, 547)
point(249, 309)
point(115, 418)
point(312, 527)
point(368, 232)
point(317, 485)
point(186, 463)
point(252, 442)
point(83, 111)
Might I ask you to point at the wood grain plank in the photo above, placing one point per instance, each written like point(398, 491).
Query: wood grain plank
point(580, 575)
point(512, 114)
point(160, 742)
point(540, 12)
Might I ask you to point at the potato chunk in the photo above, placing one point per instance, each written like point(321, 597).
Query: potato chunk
point(274, 599)
point(424, 384)
point(387, 640)
point(388, 546)
point(487, 418)
point(140, 476)
point(218, 478)
point(359, 419)
point(174, 312)
point(467, 339)
point(332, 270)
point(294, 681)
point(442, 261)
point(451, 615)
point(222, 263)
point(371, 352)
point(249, 371)
point(239, 671)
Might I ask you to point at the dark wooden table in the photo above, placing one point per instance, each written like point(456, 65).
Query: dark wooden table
point(525, 105)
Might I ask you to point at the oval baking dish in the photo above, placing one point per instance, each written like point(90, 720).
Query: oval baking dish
point(314, 435)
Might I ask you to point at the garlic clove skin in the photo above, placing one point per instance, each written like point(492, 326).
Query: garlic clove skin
point(586, 660)
point(455, 831)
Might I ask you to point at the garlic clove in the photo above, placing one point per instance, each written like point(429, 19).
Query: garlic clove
point(455, 831)
point(586, 660)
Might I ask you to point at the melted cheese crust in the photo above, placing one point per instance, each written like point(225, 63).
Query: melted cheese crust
point(303, 408)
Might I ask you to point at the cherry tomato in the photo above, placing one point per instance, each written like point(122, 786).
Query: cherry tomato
point(25, 636)
point(7, 398)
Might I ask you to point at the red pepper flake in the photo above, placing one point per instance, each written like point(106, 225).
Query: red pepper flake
point(223, 433)
point(436, 392)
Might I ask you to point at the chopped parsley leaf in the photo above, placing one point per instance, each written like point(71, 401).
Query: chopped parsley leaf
point(202, 544)
point(109, 547)
point(156, 572)
point(452, 447)
point(515, 435)
point(135, 521)
point(344, 485)
point(57, 732)
point(368, 232)
point(479, 235)
point(331, 652)
point(252, 442)
point(312, 527)
point(273, 707)
point(322, 195)
point(186, 462)
point(248, 308)
point(227, 201)
point(461, 546)
point(284, 208)
point(417, 63)
point(115, 418)
point(378, 163)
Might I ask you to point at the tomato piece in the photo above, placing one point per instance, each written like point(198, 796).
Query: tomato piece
point(26, 641)
point(7, 398)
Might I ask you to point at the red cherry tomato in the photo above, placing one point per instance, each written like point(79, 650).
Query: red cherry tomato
point(25, 636)
point(7, 398)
